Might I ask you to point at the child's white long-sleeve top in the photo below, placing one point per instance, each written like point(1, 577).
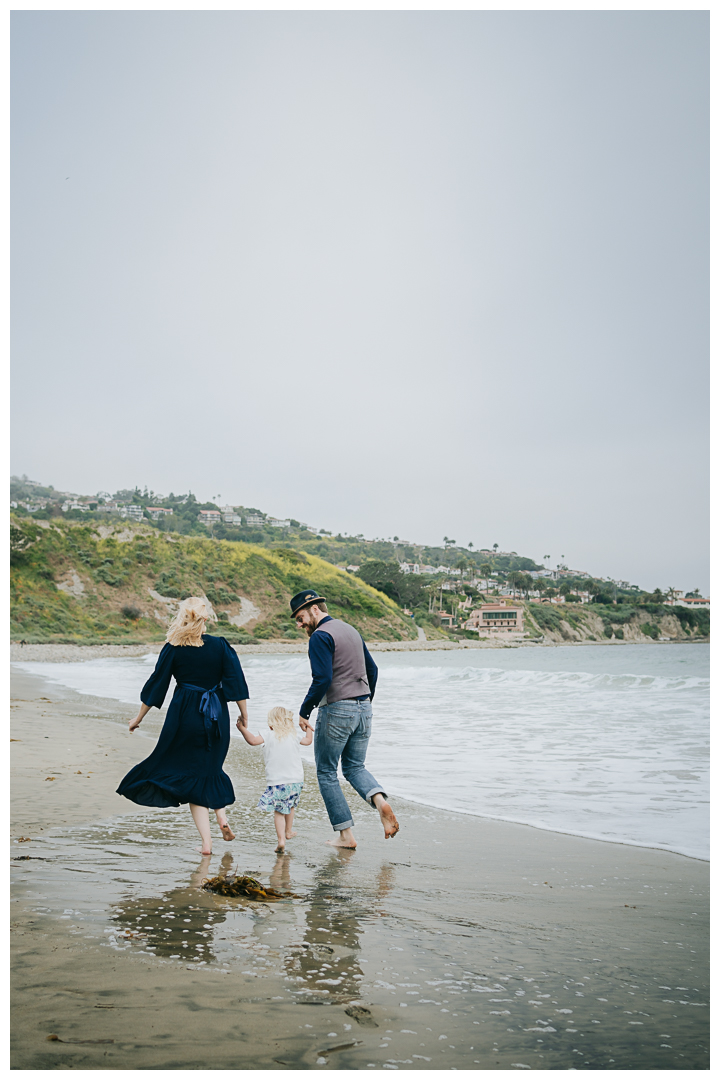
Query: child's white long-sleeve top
point(283, 764)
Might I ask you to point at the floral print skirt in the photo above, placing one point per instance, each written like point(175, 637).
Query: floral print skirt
point(280, 797)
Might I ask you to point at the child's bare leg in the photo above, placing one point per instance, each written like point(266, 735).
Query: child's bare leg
point(390, 823)
point(280, 830)
point(201, 817)
point(289, 831)
point(222, 821)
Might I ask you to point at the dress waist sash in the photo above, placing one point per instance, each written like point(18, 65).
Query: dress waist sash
point(210, 707)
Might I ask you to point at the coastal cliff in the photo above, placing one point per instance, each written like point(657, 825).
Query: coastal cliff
point(122, 583)
point(565, 623)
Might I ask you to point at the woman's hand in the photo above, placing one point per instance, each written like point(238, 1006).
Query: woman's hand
point(242, 719)
point(144, 710)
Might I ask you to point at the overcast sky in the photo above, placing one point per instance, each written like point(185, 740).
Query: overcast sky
point(415, 274)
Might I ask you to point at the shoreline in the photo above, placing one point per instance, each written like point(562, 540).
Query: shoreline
point(157, 718)
point(388, 929)
point(52, 652)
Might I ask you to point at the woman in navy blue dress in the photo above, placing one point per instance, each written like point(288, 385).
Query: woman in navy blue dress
point(186, 765)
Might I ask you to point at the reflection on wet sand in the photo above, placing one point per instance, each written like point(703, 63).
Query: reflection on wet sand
point(313, 943)
point(179, 924)
point(326, 964)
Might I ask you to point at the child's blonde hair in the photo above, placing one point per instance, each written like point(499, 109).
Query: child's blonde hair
point(280, 722)
point(189, 624)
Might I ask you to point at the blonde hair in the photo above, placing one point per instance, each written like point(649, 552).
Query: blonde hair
point(280, 721)
point(188, 625)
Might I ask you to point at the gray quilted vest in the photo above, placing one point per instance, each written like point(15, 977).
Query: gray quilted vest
point(349, 674)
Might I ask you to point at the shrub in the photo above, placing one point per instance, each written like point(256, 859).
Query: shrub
point(689, 618)
point(129, 611)
point(650, 630)
point(545, 616)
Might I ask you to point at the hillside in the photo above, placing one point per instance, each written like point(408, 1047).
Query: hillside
point(121, 582)
point(253, 526)
point(621, 622)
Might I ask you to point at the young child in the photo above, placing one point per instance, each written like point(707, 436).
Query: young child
point(283, 768)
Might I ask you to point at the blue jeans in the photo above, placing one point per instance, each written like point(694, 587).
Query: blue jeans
point(342, 733)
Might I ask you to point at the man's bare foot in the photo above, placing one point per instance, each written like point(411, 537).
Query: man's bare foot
point(227, 832)
point(344, 839)
point(390, 823)
point(289, 835)
point(280, 849)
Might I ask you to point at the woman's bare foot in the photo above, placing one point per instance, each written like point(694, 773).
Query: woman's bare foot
point(204, 852)
point(280, 849)
point(344, 839)
point(390, 823)
point(227, 832)
point(289, 835)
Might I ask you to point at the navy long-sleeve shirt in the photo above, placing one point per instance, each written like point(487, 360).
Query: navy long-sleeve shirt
point(321, 651)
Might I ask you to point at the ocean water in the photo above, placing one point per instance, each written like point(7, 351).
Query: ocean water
point(608, 742)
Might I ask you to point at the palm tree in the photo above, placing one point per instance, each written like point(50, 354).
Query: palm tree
point(514, 580)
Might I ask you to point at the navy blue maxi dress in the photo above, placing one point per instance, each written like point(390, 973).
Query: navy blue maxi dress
point(186, 765)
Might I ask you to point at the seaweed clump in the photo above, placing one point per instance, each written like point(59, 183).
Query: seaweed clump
point(243, 885)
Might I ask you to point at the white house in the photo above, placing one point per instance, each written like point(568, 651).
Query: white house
point(133, 512)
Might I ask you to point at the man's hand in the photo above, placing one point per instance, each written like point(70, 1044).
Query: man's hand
point(304, 724)
point(241, 722)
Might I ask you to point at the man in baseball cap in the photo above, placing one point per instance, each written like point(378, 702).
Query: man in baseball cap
point(343, 685)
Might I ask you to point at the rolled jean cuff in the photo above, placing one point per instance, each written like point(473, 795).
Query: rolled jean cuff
point(345, 825)
point(375, 791)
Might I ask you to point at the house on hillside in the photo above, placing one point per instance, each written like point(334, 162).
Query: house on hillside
point(209, 517)
point(135, 513)
point(230, 516)
point(254, 519)
point(498, 618)
point(156, 512)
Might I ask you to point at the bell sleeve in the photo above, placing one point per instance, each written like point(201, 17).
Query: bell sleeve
point(154, 691)
point(233, 681)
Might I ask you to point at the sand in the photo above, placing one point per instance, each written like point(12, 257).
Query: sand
point(55, 653)
point(462, 943)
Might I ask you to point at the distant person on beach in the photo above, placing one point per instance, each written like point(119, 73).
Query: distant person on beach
point(283, 768)
point(186, 765)
point(343, 685)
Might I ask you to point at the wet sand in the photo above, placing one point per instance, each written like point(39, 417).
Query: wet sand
point(462, 943)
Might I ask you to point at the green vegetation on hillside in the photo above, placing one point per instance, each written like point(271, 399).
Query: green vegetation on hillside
point(106, 578)
point(340, 550)
point(259, 562)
